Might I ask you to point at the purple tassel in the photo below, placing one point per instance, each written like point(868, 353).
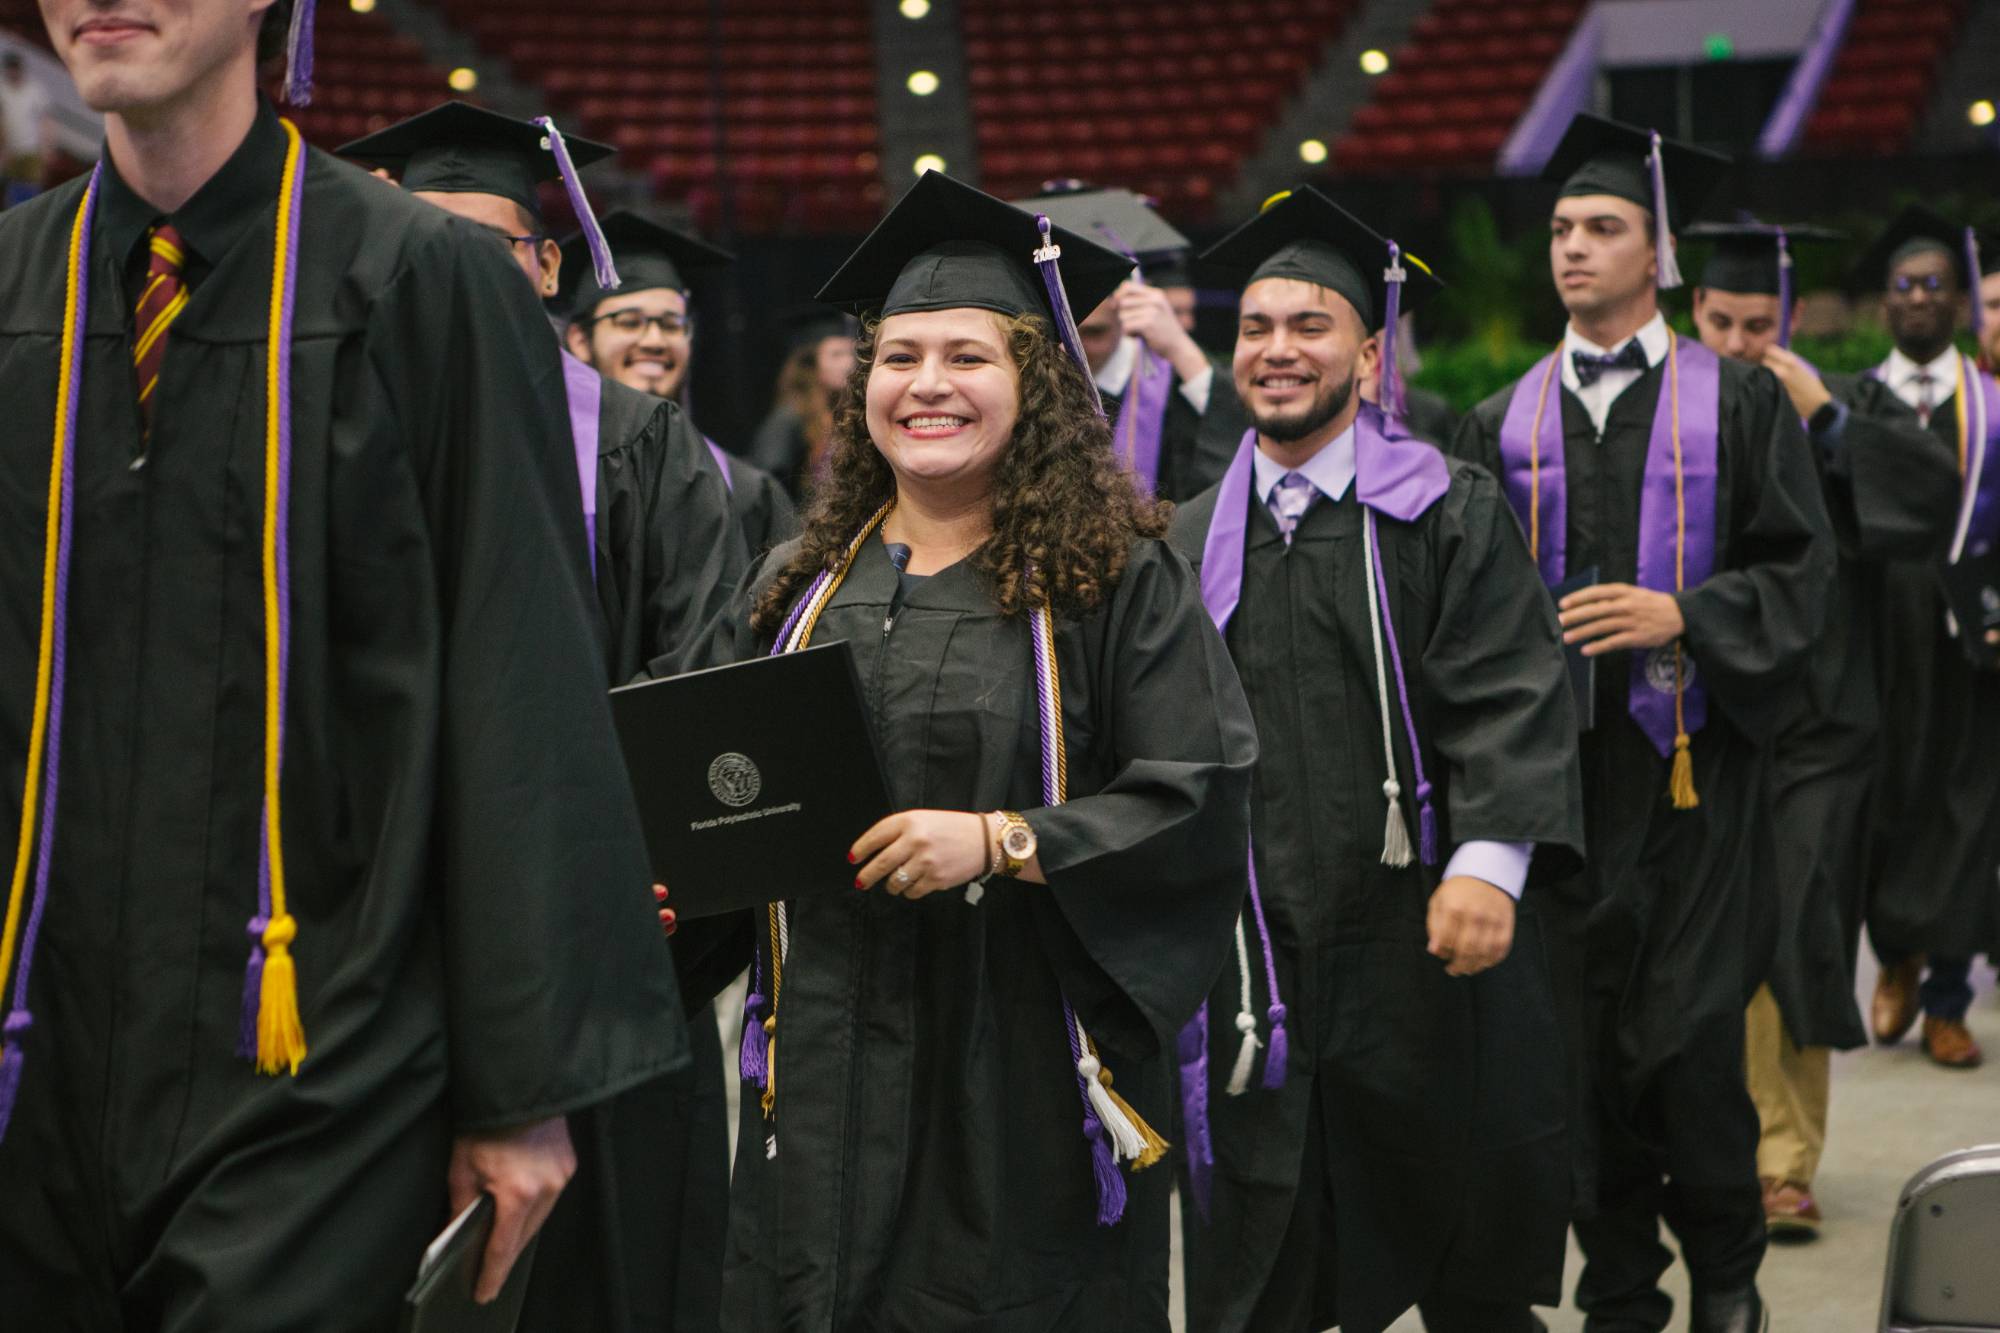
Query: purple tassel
point(15, 1029)
point(1110, 1181)
point(299, 55)
point(1194, 1110)
point(1427, 826)
point(1277, 1049)
point(1972, 281)
point(1663, 228)
point(1072, 341)
point(253, 990)
point(1390, 391)
point(1785, 291)
point(751, 1056)
point(603, 269)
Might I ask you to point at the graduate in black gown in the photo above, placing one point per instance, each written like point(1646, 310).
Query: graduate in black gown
point(1686, 484)
point(665, 551)
point(791, 441)
point(1891, 491)
point(635, 1242)
point(437, 939)
point(1407, 1139)
point(1933, 900)
point(927, 1159)
point(640, 334)
point(1141, 347)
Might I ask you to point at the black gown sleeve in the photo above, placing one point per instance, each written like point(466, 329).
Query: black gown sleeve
point(1148, 872)
point(1501, 711)
point(1751, 625)
point(559, 990)
point(1895, 495)
point(1220, 433)
point(694, 548)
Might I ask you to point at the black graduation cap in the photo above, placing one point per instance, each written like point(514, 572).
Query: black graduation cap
point(1745, 257)
point(808, 325)
point(946, 245)
point(1117, 218)
point(1915, 230)
point(647, 254)
point(1303, 234)
point(461, 149)
point(1599, 156)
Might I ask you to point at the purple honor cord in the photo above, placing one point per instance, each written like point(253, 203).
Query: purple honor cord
point(1046, 261)
point(19, 1019)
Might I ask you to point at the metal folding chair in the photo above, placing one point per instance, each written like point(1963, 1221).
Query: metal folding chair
point(1944, 1248)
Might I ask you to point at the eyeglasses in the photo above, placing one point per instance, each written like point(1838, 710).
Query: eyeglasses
point(532, 238)
point(1904, 284)
point(636, 322)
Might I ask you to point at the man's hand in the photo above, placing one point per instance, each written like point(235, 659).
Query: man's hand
point(919, 852)
point(1808, 395)
point(524, 1170)
point(1471, 925)
point(1146, 314)
point(1611, 616)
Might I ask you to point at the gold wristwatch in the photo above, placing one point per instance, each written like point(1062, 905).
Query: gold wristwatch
point(1017, 843)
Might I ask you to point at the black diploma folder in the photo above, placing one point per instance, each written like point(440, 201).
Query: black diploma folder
point(1972, 590)
point(754, 779)
point(441, 1301)
point(1582, 670)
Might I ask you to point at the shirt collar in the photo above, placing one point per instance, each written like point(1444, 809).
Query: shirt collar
point(227, 205)
point(1116, 372)
point(1900, 370)
point(1652, 336)
point(1331, 470)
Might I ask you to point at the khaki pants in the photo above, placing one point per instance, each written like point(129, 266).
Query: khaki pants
point(1789, 1084)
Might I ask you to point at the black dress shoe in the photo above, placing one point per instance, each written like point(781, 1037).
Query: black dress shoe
point(1738, 1311)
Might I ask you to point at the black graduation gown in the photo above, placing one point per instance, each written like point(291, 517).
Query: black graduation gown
point(1442, 1100)
point(931, 1171)
point(1932, 885)
point(1428, 416)
point(1891, 492)
point(634, 1244)
point(476, 944)
point(1190, 457)
point(779, 447)
point(763, 509)
point(1681, 913)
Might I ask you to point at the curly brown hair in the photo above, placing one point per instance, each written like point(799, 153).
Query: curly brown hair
point(1065, 512)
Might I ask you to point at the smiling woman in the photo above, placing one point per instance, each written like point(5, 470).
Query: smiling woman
point(1064, 741)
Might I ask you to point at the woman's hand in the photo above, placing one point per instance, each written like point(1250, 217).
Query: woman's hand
point(669, 921)
point(921, 851)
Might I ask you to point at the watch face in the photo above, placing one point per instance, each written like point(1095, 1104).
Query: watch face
point(1019, 843)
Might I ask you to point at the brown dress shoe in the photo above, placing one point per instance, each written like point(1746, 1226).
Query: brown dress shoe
point(1948, 1042)
point(1790, 1214)
point(1895, 1006)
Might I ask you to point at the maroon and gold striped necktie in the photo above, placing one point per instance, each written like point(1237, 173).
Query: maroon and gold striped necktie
point(164, 297)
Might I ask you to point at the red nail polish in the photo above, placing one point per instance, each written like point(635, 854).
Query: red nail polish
point(859, 885)
point(850, 858)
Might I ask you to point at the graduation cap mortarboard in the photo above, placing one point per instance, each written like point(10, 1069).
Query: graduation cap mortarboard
point(1303, 234)
point(1668, 178)
point(1915, 230)
point(647, 254)
point(1117, 218)
point(1755, 258)
point(947, 246)
point(808, 325)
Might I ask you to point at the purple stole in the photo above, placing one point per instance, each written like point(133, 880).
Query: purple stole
point(1677, 515)
point(1978, 527)
point(584, 388)
point(721, 458)
point(1142, 416)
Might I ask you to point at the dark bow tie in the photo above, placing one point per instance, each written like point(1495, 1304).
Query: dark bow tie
point(1629, 357)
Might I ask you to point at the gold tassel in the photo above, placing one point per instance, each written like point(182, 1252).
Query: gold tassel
point(1156, 1147)
point(770, 1099)
point(1681, 785)
point(281, 1037)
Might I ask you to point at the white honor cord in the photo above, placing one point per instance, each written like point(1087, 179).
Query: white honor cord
point(1395, 834)
point(1246, 1018)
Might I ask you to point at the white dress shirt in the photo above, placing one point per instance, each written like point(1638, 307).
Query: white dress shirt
point(1598, 398)
point(1903, 377)
point(1504, 865)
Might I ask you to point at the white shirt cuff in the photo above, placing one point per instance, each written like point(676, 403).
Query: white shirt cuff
point(1504, 865)
point(1196, 389)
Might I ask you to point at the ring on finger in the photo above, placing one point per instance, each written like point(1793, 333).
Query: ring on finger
point(903, 878)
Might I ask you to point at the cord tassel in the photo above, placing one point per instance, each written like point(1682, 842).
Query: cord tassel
point(751, 1052)
point(1277, 1052)
point(1246, 1054)
point(770, 1099)
point(1427, 825)
point(1395, 832)
point(16, 1028)
point(253, 989)
point(281, 1038)
point(299, 55)
point(1152, 1146)
point(1110, 1181)
point(1126, 1143)
point(1194, 1110)
point(1681, 784)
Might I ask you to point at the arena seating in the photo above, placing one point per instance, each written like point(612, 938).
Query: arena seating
point(1455, 89)
point(1882, 80)
point(801, 142)
point(365, 75)
point(1162, 96)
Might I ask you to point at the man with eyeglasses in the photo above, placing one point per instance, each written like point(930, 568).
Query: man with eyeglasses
point(1933, 902)
point(635, 1242)
point(640, 333)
